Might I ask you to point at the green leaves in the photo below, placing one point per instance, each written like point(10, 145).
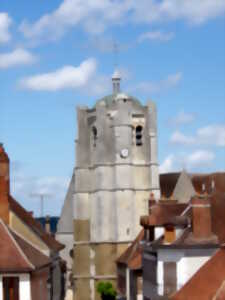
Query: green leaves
point(106, 289)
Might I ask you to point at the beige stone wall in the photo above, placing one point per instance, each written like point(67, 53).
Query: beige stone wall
point(81, 266)
point(22, 229)
point(81, 230)
point(94, 263)
point(104, 259)
point(82, 289)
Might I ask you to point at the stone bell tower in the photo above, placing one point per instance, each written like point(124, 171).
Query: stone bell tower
point(116, 170)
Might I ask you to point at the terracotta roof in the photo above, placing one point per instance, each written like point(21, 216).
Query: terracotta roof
point(37, 258)
point(218, 215)
point(17, 255)
point(206, 179)
point(198, 287)
point(168, 182)
point(11, 257)
point(3, 155)
point(132, 257)
point(34, 225)
point(220, 295)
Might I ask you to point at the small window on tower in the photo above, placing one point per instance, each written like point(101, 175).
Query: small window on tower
point(94, 134)
point(139, 131)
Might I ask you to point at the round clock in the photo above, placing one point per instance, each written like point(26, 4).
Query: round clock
point(124, 153)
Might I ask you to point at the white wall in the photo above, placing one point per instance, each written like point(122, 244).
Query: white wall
point(24, 285)
point(160, 278)
point(187, 267)
point(1, 291)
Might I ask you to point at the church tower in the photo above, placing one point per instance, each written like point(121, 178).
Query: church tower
point(116, 170)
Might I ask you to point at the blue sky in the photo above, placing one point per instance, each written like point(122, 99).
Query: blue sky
point(55, 55)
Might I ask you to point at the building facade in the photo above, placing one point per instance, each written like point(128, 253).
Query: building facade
point(30, 264)
point(116, 170)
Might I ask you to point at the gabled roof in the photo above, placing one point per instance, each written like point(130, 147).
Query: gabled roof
point(17, 255)
point(34, 225)
point(207, 283)
point(37, 258)
point(65, 224)
point(132, 257)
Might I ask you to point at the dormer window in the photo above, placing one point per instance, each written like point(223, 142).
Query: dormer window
point(139, 132)
point(94, 135)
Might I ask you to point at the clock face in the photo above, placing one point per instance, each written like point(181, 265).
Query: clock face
point(124, 153)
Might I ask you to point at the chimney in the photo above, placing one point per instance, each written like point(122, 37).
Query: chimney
point(169, 234)
point(203, 187)
point(4, 185)
point(47, 224)
point(201, 217)
point(212, 185)
point(151, 202)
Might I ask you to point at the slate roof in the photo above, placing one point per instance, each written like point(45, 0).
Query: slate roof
point(17, 255)
point(34, 225)
point(207, 283)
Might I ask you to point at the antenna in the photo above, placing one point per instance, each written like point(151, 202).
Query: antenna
point(42, 197)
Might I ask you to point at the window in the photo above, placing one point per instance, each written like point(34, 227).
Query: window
point(10, 288)
point(139, 130)
point(94, 134)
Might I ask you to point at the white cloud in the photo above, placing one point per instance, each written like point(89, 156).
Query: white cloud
point(5, 22)
point(66, 77)
point(191, 11)
point(156, 36)
point(27, 189)
point(179, 138)
point(171, 81)
point(94, 16)
point(212, 135)
point(182, 118)
point(167, 165)
point(15, 58)
point(200, 158)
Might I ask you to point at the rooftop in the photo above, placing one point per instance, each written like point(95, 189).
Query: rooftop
point(109, 100)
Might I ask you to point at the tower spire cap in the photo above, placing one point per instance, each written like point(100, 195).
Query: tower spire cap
point(116, 74)
point(116, 81)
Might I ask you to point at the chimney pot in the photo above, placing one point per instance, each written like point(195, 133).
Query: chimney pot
point(201, 217)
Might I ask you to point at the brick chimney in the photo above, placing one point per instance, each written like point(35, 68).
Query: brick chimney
point(4, 185)
point(201, 217)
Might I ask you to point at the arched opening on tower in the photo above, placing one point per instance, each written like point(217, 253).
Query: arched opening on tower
point(139, 131)
point(94, 135)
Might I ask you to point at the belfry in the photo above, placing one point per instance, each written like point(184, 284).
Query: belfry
point(116, 170)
